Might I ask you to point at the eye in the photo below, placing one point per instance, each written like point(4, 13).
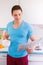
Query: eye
point(15, 15)
point(19, 14)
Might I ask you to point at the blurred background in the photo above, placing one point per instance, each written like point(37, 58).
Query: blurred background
point(32, 14)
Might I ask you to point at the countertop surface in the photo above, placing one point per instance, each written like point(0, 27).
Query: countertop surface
point(5, 50)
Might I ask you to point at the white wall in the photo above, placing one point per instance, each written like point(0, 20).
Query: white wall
point(32, 11)
point(5, 11)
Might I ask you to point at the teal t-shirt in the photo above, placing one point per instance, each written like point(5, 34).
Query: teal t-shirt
point(18, 36)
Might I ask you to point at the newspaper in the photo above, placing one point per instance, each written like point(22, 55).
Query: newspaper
point(27, 45)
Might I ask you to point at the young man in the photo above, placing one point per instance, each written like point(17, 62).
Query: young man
point(19, 32)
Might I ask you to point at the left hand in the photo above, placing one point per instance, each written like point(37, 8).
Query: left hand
point(30, 50)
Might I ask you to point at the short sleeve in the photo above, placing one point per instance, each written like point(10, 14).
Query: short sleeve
point(30, 31)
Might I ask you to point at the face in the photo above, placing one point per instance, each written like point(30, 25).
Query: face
point(17, 15)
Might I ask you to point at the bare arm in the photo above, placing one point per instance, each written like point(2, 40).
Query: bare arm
point(5, 35)
point(33, 38)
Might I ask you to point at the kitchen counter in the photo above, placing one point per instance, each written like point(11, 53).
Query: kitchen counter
point(37, 52)
point(36, 58)
point(6, 43)
point(5, 50)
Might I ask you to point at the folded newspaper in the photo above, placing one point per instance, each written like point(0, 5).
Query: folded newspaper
point(26, 45)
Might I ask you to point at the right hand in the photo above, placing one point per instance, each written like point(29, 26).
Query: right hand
point(30, 50)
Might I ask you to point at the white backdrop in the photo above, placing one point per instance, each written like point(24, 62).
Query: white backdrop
point(5, 11)
point(32, 11)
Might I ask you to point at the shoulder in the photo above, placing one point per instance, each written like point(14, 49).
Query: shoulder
point(10, 23)
point(27, 25)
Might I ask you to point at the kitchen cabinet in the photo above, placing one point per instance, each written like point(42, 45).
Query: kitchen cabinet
point(35, 59)
point(3, 52)
point(3, 60)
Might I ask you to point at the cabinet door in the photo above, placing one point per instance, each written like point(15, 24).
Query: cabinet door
point(35, 63)
point(35, 59)
point(3, 59)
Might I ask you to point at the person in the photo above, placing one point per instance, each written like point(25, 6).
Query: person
point(19, 32)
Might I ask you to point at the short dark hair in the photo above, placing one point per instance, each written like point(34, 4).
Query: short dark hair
point(16, 7)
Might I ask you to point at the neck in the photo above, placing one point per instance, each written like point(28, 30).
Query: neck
point(17, 23)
